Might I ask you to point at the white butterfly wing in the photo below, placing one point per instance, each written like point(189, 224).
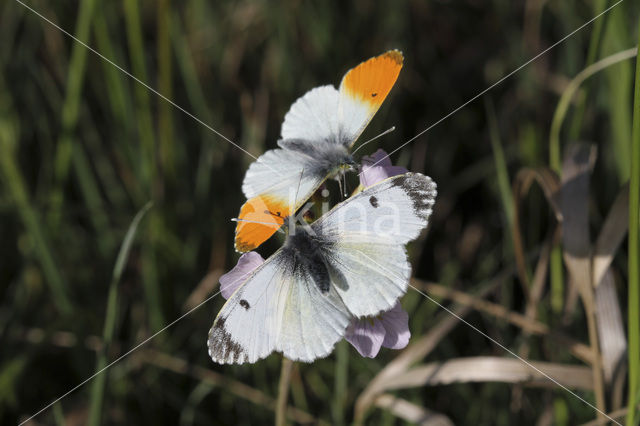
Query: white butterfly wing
point(313, 117)
point(313, 321)
point(281, 174)
point(369, 265)
point(340, 116)
point(279, 308)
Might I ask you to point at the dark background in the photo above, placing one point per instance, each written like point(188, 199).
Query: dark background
point(83, 148)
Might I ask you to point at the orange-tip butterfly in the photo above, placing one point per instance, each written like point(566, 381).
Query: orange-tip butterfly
point(316, 136)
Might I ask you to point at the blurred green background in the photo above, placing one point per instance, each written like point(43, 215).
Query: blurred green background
point(83, 148)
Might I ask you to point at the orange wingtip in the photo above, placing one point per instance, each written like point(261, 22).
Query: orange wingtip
point(260, 217)
point(372, 80)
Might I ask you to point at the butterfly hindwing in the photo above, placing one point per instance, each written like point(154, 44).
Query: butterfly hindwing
point(368, 260)
point(278, 308)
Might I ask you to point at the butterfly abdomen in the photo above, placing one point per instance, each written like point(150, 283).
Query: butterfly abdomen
point(306, 254)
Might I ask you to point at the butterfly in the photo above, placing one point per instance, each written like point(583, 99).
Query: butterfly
point(351, 262)
point(316, 136)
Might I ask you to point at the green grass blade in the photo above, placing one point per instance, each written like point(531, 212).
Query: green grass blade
point(619, 90)
point(506, 197)
point(97, 388)
point(592, 54)
point(165, 109)
point(565, 101)
point(634, 253)
point(147, 171)
point(137, 56)
point(16, 187)
point(70, 107)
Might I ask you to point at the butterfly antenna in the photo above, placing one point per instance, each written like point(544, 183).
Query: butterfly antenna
point(389, 130)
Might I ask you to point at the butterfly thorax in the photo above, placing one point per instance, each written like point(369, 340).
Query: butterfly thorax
point(322, 157)
point(305, 255)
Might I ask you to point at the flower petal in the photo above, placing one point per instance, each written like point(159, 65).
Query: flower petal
point(396, 325)
point(230, 281)
point(366, 335)
point(378, 167)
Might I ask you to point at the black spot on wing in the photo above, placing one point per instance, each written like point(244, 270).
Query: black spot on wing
point(244, 304)
point(420, 189)
point(222, 347)
point(374, 201)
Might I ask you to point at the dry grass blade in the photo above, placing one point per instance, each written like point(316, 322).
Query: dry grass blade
point(493, 369)
point(529, 325)
point(612, 234)
point(617, 414)
point(419, 349)
point(411, 412)
point(540, 276)
point(237, 388)
point(574, 202)
point(613, 340)
point(550, 185)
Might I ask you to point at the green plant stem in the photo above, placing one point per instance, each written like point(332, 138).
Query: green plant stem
point(634, 253)
point(340, 382)
point(283, 392)
point(97, 388)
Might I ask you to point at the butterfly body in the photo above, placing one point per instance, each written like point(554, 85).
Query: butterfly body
point(305, 252)
point(320, 158)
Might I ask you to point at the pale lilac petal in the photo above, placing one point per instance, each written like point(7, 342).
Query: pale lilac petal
point(380, 156)
point(396, 325)
point(378, 167)
point(230, 281)
point(366, 335)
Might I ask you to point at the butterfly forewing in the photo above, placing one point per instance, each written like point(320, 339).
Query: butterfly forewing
point(369, 231)
point(279, 308)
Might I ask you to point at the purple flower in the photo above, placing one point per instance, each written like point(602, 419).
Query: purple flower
point(378, 167)
point(391, 330)
point(230, 281)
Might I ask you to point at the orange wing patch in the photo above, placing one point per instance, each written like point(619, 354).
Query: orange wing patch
point(260, 217)
point(371, 81)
